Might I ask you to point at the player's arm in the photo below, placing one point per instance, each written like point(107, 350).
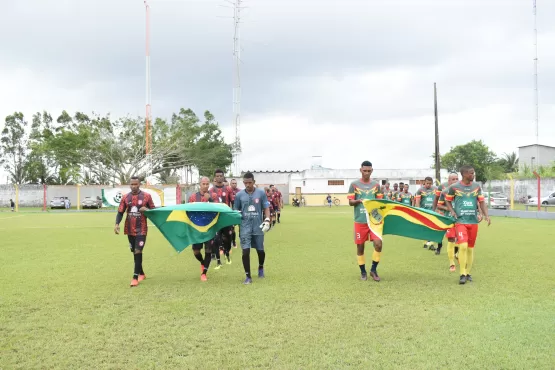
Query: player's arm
point(119, 216)
point(351, 196)
point(449, 197)
point(417, 198)
point(379, 194)
point(149, 204)
point(437, 195)
point(266, 206)
point(483, 206)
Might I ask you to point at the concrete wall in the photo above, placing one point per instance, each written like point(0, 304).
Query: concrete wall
point(522, 214)
point(523, 188)
point(544, 155)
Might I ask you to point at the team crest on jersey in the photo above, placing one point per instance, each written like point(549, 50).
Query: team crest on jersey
point(256, 200)
point(141, 243)
point(375, 216)
point(134, 209)
point(140, 202)
point(251, 208)
point(223, 194)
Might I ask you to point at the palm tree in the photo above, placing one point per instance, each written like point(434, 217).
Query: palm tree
point(509, 162)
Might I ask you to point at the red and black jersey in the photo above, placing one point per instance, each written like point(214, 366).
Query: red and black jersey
point(224, 194)
point(199, 197)
point(135, 221)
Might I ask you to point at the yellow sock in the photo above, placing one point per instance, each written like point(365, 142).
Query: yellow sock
point(451, 253)
point(376, 256)
point(361, 260)
point(469, 259)
point(463, 247)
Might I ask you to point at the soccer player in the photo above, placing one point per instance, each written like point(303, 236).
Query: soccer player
point(222, 194)
point(462, 200)
point(452, 248)
point(278, 201)
point(254, 207)
point(424, 198)
point(401, 189)
point(235, 190)
point(387, 191)
point(404, 196)
point(394, 192)
point(203, 195)
point(271, 206)
point(12, 205)
point(365, 188)
point(136, 228)
point(328, 199)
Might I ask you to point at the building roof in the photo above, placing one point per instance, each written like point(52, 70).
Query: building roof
point(545, 146)
point(279, 171)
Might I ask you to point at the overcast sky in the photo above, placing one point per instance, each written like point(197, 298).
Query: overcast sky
point(349, 80)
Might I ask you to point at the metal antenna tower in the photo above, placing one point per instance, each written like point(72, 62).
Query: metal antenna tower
point(237, 87)
point(536, 99)
point(148, 116)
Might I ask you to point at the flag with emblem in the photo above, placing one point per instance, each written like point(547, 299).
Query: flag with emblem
point(391, 218)
point(187, 224)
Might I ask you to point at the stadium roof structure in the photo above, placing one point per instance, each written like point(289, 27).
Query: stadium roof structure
point(545, 146)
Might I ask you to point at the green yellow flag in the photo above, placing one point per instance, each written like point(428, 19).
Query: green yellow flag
point(391, 218)
point(186, 224)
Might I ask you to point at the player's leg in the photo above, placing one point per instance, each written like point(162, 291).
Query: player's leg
point(439, 246)
point(450, 234)
point(472, 235)
point(216, 249)
point(136, 244)
point(361, 236)
point(246, 242)
point(375, 256)
point(278, 215)
point(234, 238)
point(208, 246)
point(258, 243)
point(226, 242)
point(462, 238)
point(198, 254)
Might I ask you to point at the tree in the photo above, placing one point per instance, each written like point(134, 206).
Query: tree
point(474, 153)
point(211, 149)
point(41, 166)
point(509, 162)
point(13, 147)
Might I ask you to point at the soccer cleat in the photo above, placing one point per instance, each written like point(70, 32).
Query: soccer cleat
point(218, 266)
point(432, 247)
point(228, 262)
point(374, 275)
point(462, 280)
point(247, 281)
point(142, 277)
point(438, 252)
point(134, 282)
point(469, 278)
point(261, 273)
point(363, 277)
point(425, 245)
point(203, 277)
point(452, 268)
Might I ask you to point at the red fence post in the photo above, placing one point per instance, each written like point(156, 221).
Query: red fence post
point(44, 198)
point(178, 194)
point(539, 191)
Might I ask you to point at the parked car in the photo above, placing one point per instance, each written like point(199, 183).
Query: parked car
point(92, 203)
point(549, 200)
point(58, 202)
point(498, 200)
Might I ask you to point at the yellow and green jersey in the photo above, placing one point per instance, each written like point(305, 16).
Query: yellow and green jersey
point(441, 188)
point(363, 190)
point(464, 199)
point(405, 198)
point(426, 196)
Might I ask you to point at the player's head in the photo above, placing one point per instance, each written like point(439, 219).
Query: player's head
point(233, 184)
point(428, 181)
point(387, 185)
point(204, 184)
point(406, 188)
point(272, 186)
point(467, 173)
point(219, 177)
point(248, 180)
point(453, 178)
point(401, 186)
point(135, 184)
point(366, 170)
point(395, 186)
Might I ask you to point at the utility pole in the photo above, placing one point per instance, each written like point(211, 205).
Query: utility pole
point(237, 87)
point(148, 117)
point(536, 98)
point(437, 155)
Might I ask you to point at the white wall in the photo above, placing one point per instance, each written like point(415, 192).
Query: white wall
point(546, 155)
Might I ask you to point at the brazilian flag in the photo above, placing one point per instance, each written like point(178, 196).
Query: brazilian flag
point(387, 217)
point(186, 224)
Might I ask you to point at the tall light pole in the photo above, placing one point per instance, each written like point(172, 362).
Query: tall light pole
point(536, 98)
point(148, 117)
point(237, 87)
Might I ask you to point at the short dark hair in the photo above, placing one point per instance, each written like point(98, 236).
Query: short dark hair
point(248, 176)
point(401, 183)
point(395, 184)
point(464, 169)
point(366, 164)
point(218, 171)
point(429, 179)
point(135, 178)
point(271, 185)
point(233, 180)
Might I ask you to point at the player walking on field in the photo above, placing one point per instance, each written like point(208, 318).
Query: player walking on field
point(405, 196)
point(222, 194)
point(278, 202)
point(203, 195)
point(235, 190)
point(424, 198)
point(462, 200)
point(136, 228)
point(362, 189)
point(255, 222)
point(451, 235)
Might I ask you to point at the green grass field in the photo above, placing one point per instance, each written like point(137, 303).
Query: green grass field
point(65, 300)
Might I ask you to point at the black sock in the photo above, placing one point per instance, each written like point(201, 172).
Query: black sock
point(218, 257)
point(439, 245)
point(234, 237)
point(362, 269)
point(374, 266)
point(138, 264)
point(247, 262)
point(279, 216)
point(456, 250)
point(198, 256)
point(273, 222)
point(261, 258)
point(206, 264)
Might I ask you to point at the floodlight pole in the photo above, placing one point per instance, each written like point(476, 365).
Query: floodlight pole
point(148, 118)
point(237, 87)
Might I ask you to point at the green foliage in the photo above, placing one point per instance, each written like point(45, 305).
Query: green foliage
point(14, 146)
point(527, 172)
point(476, 154)
point(509, 162)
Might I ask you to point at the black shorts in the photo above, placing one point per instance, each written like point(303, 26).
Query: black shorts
point(207, 245)
point(226, 231)
point(136, 242)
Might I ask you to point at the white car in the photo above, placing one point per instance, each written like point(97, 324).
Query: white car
point(498, 200)
point(550, 199)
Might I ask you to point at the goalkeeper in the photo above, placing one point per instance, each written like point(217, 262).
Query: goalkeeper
point(254, 207)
